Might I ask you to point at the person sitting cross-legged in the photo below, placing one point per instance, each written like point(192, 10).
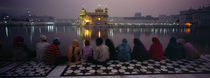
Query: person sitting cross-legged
point(174, 50)
point(53, 55)
point(41, 48)
point(73, 53)
point(87, 51)
point(156, 50)
point(100, 54)
point(139, 51)
point(112, 51)
point(124, 51)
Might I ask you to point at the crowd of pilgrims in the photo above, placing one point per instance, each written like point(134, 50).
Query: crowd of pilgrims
point(103, 52)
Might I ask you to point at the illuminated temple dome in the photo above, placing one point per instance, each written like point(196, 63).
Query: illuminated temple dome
point(99, 17)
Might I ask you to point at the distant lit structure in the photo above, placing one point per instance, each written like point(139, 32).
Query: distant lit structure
point(28, 12)
point(168, 19)
point(34, 18)
point(138, 17)
point(188, 24)
point(196, 17)
point(148, 20)
point(99, 17)
point(138, 14)
point(28, 15)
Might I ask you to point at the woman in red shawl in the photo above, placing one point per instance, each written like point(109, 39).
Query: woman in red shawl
point(53, 52)
point(156, 49)
point(53, 55)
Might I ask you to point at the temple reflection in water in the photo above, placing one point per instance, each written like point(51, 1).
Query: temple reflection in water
point(90, 33)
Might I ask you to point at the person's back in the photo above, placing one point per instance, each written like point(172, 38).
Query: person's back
point(41, 48)
point(101, 53)
point(174, 50)
point(52, 52)
point(139, 51)
point(190, 51)
point(19, 49)
point(124, 51)
point(112, 51)
point(156, 49)
point(87, 51)
point(181, 43)
point(73, 53)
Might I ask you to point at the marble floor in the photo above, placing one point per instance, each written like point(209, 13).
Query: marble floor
point(149, 76)
point(57, 71)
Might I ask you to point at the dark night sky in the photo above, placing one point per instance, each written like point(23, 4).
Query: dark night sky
point(121, 8)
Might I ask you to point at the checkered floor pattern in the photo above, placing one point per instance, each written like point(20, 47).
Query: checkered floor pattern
point(29, 69)
point(4, 63)
point(134, 67)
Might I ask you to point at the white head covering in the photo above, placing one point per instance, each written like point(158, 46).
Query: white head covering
point(43, 37)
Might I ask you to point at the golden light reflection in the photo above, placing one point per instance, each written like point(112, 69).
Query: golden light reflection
point(87, 33)
point(187, 30)
point(87, 21)
point(188, 24)
point(99, 34)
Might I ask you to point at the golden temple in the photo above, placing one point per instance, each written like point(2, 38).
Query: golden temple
point(99, 17)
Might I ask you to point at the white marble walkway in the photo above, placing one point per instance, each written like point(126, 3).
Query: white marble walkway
point(59, 69)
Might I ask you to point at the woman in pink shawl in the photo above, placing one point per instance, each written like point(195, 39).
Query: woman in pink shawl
point(87, 51)
point(156, 49)
point(190, 51)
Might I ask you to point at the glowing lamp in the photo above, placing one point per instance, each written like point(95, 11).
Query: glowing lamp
point(99, 19)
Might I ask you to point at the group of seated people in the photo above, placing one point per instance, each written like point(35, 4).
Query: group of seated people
point(103, 52)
